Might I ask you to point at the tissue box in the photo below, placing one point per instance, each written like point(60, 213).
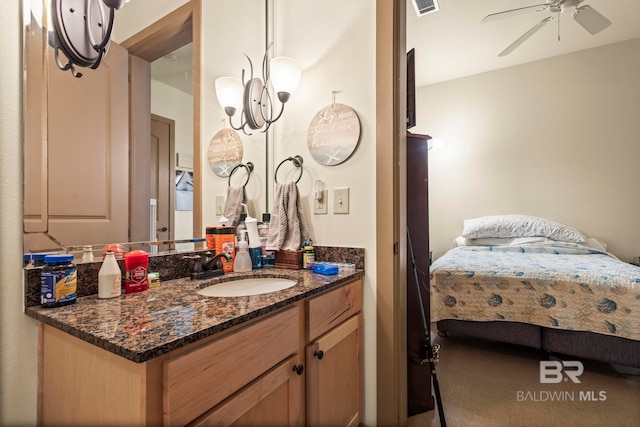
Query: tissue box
point(289, 259)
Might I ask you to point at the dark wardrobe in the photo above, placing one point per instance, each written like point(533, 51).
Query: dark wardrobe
point(420, 398)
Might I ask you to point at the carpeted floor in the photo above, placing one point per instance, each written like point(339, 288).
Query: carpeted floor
point(494, 385)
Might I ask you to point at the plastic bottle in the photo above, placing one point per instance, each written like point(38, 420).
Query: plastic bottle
point(308, 256)
point(242, 263)
point(136, 264)
point(87, 253)
point(255, 247)
point(212, 231)
point(58, 281)
point(240, 227)
point(268, 257)
point(109, 278)
point(225, 241)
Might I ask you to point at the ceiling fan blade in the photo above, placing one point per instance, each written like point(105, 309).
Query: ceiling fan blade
point(515, 12)
point(590, 19)
point(525, 36)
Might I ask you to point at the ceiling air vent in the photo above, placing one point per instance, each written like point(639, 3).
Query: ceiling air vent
point(425, 6)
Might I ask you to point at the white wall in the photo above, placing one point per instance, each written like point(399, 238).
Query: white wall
point(556, 138)
point(335, 44)
point(174, 104)
point(18, 333)
point(228, 32)
point(139, 14)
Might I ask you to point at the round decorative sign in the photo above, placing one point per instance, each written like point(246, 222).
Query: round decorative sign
point(333, 134)
point(225, 152)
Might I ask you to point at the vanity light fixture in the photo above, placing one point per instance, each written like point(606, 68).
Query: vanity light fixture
point(254, 96)
point(77, 25)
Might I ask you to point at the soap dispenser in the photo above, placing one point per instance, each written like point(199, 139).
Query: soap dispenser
point(242, 262)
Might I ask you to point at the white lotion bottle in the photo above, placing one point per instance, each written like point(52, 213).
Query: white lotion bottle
point(109, 278)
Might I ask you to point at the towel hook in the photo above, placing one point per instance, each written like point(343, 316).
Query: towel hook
point(248, 167)
point(297, 162)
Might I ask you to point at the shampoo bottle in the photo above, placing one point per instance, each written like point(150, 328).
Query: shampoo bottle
point(255, 247)
point(268, 257)
point(109, 278)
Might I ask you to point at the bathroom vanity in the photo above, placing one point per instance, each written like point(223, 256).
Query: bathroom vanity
point(169, 356)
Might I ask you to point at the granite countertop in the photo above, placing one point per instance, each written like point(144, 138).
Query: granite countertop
point(144, 325)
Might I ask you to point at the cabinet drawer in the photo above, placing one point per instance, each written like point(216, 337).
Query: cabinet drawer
point(202, 378)
point(332, 308)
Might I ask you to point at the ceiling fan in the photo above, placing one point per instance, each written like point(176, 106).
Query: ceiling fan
point(590, 19)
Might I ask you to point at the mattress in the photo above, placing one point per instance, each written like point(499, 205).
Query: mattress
point(561, 285)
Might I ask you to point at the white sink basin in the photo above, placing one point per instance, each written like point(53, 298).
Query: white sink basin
point(245, 287)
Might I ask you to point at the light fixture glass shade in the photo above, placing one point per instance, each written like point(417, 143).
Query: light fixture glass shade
point(230, 92)
point(285, 74)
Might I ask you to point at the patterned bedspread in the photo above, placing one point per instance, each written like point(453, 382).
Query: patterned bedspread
point(564, 286)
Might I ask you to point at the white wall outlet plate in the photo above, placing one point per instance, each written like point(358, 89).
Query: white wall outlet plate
point(220, 199)
point(320, 207)
point(341, 200)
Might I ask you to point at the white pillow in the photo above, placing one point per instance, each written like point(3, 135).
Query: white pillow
point(505, 226)
point(500, 241)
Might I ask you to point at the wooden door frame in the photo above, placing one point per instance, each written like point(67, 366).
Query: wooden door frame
point(175, 30)
point(391, 242)
point(172, 172)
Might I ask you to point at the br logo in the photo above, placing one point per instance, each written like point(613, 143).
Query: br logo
point(553, 372)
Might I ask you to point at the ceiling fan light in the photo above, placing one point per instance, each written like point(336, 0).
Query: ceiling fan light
point(590, 19)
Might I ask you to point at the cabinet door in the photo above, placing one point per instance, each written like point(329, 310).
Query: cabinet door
point(274, 399)
point(334, 376)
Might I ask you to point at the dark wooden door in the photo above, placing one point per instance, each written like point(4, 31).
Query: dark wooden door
point(420, 398)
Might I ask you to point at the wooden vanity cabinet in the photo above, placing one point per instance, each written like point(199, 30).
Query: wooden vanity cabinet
point(264, 372)
point(199, 380)
point(334, 357)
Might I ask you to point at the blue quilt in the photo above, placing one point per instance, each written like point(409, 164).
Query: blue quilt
point(563, 285)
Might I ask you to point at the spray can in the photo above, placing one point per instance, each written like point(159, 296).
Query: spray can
point(136, 264)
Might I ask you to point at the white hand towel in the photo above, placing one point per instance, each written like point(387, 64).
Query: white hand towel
point(233, 205)
point(287, 229)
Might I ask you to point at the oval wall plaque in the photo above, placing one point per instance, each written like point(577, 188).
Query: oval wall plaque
point(225, 152)
point(333, 134)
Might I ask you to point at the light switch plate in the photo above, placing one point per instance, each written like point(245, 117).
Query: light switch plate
point(220, 199)
point(320, 207)
point(341, 200)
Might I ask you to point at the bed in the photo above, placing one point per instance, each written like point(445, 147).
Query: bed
point(559, 293)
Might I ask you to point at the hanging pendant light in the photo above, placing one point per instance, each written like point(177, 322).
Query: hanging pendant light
point(82, 31)
point(254, 98)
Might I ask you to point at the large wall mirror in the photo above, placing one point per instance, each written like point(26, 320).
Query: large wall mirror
point(100, 149)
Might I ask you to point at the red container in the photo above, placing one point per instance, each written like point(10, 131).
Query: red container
point(136, 264)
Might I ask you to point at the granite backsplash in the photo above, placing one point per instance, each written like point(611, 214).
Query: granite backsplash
point(170, 266)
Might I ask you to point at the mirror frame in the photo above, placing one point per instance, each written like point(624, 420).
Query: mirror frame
point(178, 28)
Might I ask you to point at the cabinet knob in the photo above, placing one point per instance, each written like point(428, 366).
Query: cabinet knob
point(319, 354)
point(298, 369)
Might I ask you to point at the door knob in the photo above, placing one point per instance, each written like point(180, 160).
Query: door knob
point(162, 229)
